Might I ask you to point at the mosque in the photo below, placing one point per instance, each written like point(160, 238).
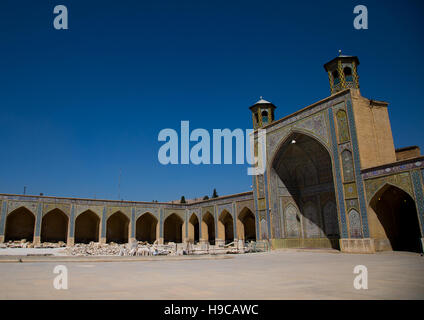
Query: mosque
point(333, 179)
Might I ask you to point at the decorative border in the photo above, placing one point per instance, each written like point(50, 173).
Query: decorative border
point(339, 185)
point(394, 169)
point(419, 197)
point(357, 164)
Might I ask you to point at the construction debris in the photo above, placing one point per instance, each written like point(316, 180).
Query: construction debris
point(141, 248)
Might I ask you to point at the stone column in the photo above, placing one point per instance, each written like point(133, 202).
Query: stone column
point(3, 214)
point(71, 227)
point(103, 224)
point(131, 228)
point(38, 219)
point(161, 225)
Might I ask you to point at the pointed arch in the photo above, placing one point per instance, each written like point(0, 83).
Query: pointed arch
point(117, 228)
point(226, 227)
point(246, 224)
point(208, 228)
point(292, 220)
point(20, 224)
point(193, 228)
point(54, 226)
point(146, 228)
point(87, 227)
point(393, 220)
point(173, 227)
point(302, 171)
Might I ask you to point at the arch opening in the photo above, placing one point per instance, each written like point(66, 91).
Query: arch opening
point(247, 225)
point(208, 228)
point(193, 229)
point(54, 226)
point(304, 176)
point(146, 228)
point(20, 225)
point(87, 227)
point(395, 220)
point(117, 228)
point(226, 227)
point(172, 229)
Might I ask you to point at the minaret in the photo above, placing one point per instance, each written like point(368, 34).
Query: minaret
point(262, 113)
point(342, 73)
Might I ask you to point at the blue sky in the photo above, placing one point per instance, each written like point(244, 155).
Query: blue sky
point(78, 105)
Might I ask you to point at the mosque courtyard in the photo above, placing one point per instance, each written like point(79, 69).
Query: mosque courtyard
point(279, 274)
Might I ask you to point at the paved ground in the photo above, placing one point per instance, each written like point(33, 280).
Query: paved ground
point(273, 275)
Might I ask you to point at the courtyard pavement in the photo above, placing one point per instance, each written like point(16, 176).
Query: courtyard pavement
point(280, 274)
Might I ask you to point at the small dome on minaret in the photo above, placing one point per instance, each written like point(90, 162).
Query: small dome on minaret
point(342, 73)
point(262, 113)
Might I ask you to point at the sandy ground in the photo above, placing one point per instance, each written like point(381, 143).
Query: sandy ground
point(273, 275)
point(26, 251)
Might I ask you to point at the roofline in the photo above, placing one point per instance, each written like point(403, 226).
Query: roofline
point(391, 164)
point(342, 58)
point(340, 93)
point(406, 148)
point(126, 201)
point(262, 104)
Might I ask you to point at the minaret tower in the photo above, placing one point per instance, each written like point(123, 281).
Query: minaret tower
point(262, 113)
point(342, 73)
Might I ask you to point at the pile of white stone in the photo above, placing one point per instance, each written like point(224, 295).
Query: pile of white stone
point(25, 244)
point(131, 249)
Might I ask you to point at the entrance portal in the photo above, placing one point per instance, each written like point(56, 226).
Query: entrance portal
point(302, 169)
point(397, 219)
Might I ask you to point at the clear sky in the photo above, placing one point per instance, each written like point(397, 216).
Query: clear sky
point(78, 105)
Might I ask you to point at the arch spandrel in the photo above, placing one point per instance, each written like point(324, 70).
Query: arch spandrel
point(65, 208)
point(401, 180)
point(315, 126)
point(272, 155)
point(98, 210)
point(225, 207)
point(13, 205)
point(178, 212)
point(124, 210)
point(140, 211)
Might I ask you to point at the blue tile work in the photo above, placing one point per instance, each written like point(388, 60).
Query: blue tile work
point(38, 219)
point(234, 221)
point(186, 224)
point(215, 221)
point(133, 222)
point(339, 185)
point(103, 234)
point(3, 217)
point(161, 223)
point(255, 197)
point(357, 164)
point(200, 217)
point(72, 222)
point(419, 197)
point(267, 205)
